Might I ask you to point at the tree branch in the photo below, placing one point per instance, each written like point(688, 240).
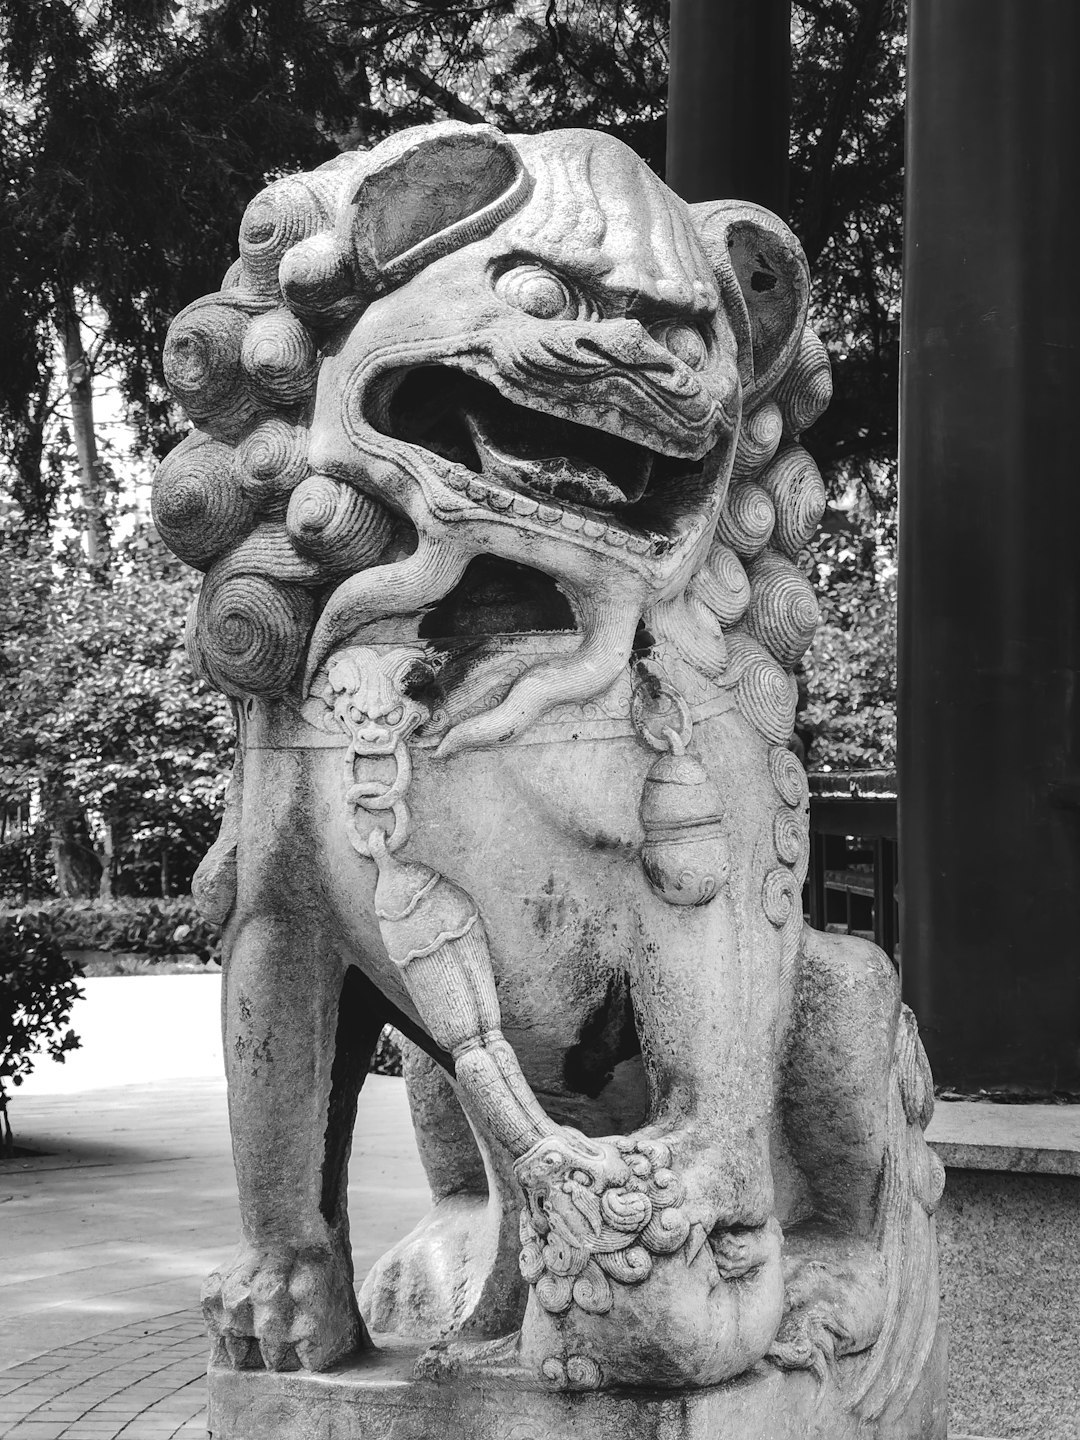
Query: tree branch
point(439, 95)
point(817, 216)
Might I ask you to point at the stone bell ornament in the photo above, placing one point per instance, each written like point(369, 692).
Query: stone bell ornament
point(684, 853)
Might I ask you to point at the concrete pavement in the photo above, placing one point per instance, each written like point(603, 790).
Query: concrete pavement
point(107, 1233)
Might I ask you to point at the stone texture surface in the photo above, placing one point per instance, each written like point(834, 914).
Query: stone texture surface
point(500, 495)
point(1010, 1266)
point(378, 1399)
point(1036, 1139)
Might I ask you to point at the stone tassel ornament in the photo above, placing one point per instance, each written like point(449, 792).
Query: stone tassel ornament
point(433, 932)
point(684, 852)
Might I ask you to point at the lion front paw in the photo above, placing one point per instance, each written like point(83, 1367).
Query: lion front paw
point(283, 1308)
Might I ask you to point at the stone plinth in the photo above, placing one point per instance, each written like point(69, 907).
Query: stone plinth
point(378, 1398)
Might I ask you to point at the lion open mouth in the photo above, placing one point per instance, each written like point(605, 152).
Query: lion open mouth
point(590, 525)
point(541, 463)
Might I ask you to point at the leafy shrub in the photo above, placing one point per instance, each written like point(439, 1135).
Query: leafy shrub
point(387, 1057)
point(37, 990)
point(101, 720)
point(26, 866)
point(147, 927)
point(850, 720)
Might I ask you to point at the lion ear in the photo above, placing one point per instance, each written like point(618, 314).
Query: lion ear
point(429, 191)
point(764, 283)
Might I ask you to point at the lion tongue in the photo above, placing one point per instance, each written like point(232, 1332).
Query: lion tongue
point(555, 476)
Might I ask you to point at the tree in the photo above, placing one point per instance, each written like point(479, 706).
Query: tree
point(132, 144)
point(133, 140)
point(99, 711)
point(847, 208)
point(203, 111)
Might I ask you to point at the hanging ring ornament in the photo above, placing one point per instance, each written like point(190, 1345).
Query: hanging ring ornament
point(370, 800)
point(382, 840)
point(655, 698)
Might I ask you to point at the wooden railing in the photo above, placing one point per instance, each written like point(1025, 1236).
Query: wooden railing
point(851, 883)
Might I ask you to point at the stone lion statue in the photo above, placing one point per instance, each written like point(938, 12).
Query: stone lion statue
point(497, 484)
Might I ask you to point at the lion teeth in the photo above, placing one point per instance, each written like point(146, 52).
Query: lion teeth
point(502, 502)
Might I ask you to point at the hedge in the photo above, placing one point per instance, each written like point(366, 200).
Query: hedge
point(145, 927)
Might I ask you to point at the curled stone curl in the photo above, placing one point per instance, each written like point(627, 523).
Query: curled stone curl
point(778, 897)
point(788, 776)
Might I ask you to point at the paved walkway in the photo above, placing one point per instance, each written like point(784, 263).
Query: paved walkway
point(107, 1233)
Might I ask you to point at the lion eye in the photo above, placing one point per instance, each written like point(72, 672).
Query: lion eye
point(538, 292)
point(684, 341)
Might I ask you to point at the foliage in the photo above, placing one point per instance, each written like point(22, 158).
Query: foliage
point(132, 143)
point(847, 208)
point(98, 702)
point(37, 990)
point(850, 717)
point(580, 63)
point(203, 111)
point(153, 927)
point(387, 1057)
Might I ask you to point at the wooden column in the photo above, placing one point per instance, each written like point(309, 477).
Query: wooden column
point(989, 762)
point(729, 100)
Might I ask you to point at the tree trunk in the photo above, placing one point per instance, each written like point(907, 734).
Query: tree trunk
point(80, 388)
point(78, 869)
point(108, 864)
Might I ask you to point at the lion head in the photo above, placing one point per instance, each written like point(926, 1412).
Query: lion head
point(464, 365)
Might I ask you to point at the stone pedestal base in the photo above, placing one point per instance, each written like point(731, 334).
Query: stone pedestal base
point(376, 1397)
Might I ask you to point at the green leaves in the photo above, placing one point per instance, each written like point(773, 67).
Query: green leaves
point(37, 990)
point(99, 708)
point(850, 716)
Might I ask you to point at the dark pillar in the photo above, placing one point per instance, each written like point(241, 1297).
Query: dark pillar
point(990, 543)
point(729, 100)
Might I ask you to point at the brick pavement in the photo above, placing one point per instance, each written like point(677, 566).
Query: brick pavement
point(143, 1381)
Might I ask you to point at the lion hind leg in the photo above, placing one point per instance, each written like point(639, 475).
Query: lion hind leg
point(862, 1276)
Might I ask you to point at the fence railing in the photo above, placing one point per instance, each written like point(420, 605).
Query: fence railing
point(851, 882)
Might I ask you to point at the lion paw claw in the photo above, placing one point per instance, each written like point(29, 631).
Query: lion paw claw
point(281, 1309)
